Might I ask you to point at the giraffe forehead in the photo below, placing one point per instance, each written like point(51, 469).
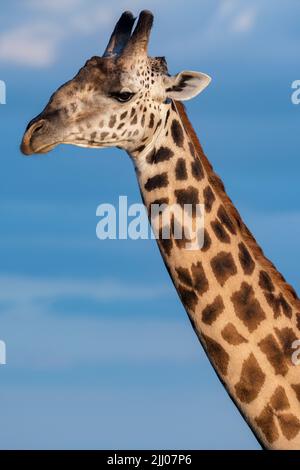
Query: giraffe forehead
point(102, 75)
point(95, 77)
point(142, 72)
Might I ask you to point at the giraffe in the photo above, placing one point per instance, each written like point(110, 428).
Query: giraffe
point(242, 310)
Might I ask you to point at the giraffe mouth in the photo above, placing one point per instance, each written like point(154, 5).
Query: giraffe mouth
point(28, 150)
point(46, 148)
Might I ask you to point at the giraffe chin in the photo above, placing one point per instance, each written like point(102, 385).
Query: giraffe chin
point(46, 149)
point(29, 151)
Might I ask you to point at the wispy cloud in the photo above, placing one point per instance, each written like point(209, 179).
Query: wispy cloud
point(231, 17)
point(16, 290)
point(244, 21)
point(54, 5)
point(31, 45)
point(38, 337)
point(90, 21)
point(54, 343)
point(219, 26)
point(50, 23)
point(205, 28)
point(37, 42)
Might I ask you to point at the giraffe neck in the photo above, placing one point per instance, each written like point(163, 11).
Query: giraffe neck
point(244, 314)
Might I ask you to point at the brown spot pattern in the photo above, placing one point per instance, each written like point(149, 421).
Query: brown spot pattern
point(184, 276)
point(177, 133)
point(209, 198)
point(286, 338)
point(286, 308)
point(273, 302)
point(112, 120)
point(161, 155)
point(211, 312)
point(265, 281)
point(246, 260)
point(134, 120)
point(199, 278)
point(278, 304)
point(197, 170)
point(275, 410)
point(266, 422)
point(223, 267)
point(218, 354)
point(187, 196)
point(180, 169)
point(289, 425)
point(151, 121)
point(207, 243)
point(279, 400)
point(247, 307)
point(226, 220)
point(220, 232)
point(232, 336)
point(251, 380)
point(157, 181)
point(188, 297)
point(274, 354)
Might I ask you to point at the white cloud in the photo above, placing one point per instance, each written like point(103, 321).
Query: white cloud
point(25, 290)
point(231, 16)
point(244, 21)
point(56, 342)
point(226, 7)
point(30, 45)
point(54, 5)
point(220, 26)
point(37, 42)
point(92, 20)
point(41, 339)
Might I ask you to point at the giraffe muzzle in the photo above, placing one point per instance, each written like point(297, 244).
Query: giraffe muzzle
point(35, 138)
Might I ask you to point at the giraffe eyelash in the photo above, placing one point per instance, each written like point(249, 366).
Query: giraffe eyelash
point(122, 97)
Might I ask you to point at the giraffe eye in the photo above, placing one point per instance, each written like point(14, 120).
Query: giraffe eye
point(122, 96)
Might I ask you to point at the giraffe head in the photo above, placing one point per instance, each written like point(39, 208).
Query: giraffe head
point(114, 100)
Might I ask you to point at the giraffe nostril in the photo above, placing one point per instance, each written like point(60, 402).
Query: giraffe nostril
point(32, 131)
point(38, 126)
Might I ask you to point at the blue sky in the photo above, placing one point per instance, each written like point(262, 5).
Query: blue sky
point(100, 351)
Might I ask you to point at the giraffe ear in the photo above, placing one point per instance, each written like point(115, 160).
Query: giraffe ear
point(185, 85)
